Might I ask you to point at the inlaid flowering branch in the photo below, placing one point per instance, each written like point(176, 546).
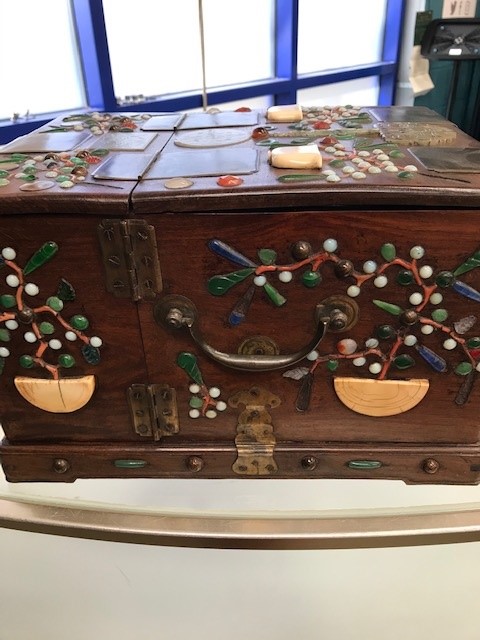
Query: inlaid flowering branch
point(413, 324)
point(38, 319)
point(204, 401)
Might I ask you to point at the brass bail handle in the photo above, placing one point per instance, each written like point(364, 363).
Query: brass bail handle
point(179, 312)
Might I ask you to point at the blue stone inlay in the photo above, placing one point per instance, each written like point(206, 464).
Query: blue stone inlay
point(466, 290)
point(433, 359)
point(226, 251)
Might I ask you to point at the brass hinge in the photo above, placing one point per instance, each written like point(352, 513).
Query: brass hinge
point(255, 439)
point(130, 258)
point(153, 409)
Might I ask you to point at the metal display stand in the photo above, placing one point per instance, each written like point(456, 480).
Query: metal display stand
point(252, 529)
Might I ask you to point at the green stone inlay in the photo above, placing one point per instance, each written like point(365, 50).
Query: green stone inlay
point(188, 362)
point(300, 177)
point(3, 173)
point(274, 144)
point(301, 126)
point(473, 343)
point(445, 279)
point(388, 251)
point(470, 263)
point(46, 328)
point(464, 368)
point(405, 277)
point(4, 182)
point(26, 362)
point(311, 279)
point(54, 303)
point(218, 285)
point(79, 322)
point(385, 332)
point(439, 315)
point(65, 291)
point(16, 157)
point(43, 255)
point(7, 301)
point(405, 175)
point(396, 153)
point(100, 152)
point(4, 335)
point(394, 309)
point(267, 256)
point(91, 354)
point(30, 170)
point(337, 163)
point(75, 117)
point(62, 178)
point(274, 295)
point(195, 402)
point(66, 360)
point(404, 361)
point(130, 464)
point(268, 142)
point(332, 365)
point(364, 464)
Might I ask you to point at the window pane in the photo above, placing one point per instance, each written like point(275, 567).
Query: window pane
point(29, 84)
point(239, 39)
point(333, 35)
point(156, 50)
point(361, 93)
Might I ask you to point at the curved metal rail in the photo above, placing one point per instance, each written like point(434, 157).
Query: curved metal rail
point(368, 528)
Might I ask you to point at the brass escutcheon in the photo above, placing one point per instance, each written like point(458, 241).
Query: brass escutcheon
point(259, 346)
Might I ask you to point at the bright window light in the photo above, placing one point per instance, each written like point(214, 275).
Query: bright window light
point(361, 93)
point(40, 70)
point(239, 41)
point(156, 49)
point(333, 35)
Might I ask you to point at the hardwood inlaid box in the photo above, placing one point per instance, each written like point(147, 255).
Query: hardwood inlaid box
point(306, 323)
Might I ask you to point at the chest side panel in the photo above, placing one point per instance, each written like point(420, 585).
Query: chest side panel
point(256, 282)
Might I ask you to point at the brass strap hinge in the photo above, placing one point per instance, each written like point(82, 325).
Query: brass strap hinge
point(153, 409)
point(130, 258)
point(255, 440)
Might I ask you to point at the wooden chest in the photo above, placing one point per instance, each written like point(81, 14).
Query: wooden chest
point(306, 323)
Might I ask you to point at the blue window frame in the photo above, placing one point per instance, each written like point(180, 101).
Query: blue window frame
point(282, 88)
